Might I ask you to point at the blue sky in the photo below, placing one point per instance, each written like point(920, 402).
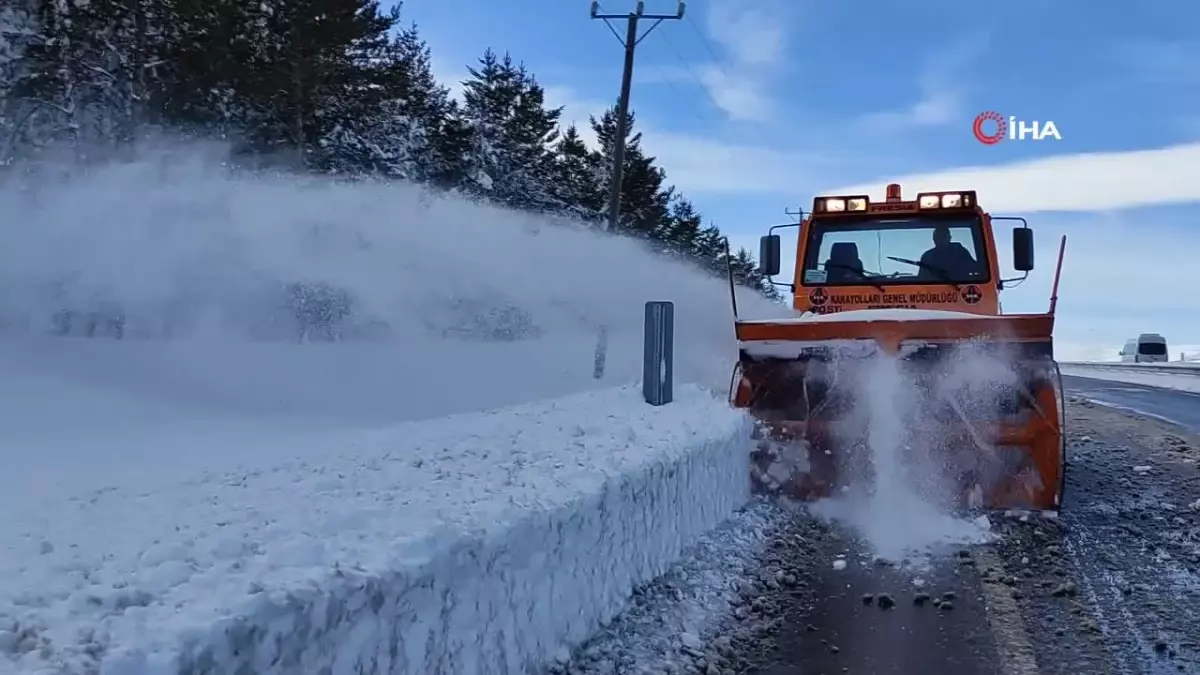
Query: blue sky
point(755, 106)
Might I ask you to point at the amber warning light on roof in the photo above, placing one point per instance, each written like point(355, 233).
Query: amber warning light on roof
point(991, 127)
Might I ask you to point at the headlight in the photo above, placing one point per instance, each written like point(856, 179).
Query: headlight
point(929, 202)
point(951, 201)
point(856, 204)
point(835, 204)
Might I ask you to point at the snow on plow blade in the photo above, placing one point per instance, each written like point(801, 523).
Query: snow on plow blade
point(978, 403)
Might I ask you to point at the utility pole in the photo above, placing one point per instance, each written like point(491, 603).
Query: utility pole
point(630, 43)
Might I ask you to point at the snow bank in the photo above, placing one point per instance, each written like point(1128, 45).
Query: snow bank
point(1188, 379)
point(479, 543)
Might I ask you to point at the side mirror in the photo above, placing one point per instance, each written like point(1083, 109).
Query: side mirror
point(1022, 249)
point(768, 255)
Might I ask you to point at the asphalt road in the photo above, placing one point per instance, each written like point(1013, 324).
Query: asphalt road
point(1179, 407)
point(869, 618)
point(1109, 588)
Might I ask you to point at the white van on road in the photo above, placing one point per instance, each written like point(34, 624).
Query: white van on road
point(1145, 348)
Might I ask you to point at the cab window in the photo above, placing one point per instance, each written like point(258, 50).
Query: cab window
point(895, 251)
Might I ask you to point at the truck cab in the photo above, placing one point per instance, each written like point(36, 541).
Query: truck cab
point(935, 252)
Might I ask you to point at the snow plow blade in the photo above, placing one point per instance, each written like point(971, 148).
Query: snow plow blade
point(983, 395)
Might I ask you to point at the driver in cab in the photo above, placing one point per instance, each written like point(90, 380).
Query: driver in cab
point(947, 256)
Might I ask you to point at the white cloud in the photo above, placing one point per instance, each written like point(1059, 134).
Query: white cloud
point(753, 36)
point(938, 105)
point(1081, 182)
point(942, 88)
point(703, 165)
point(741, 98)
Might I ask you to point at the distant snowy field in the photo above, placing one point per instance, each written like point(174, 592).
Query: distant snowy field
point(478, 543)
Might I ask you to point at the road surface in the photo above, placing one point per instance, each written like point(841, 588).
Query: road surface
point(1180, 407)
point(1110, 587)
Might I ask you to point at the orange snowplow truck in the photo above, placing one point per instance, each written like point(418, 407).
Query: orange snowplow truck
point(978, 415)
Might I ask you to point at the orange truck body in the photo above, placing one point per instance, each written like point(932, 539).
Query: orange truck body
point(902, 314)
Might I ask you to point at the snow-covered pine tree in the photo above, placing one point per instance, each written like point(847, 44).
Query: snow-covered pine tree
point(533, 132)
point(511, 135)
point(212, 53)
point(576, 187)
point(489, 96)
point(709, 249)
point(331, 86)
point(645, 202)
point(428, 104)
point(77, 74)
point(682, 228)
point(19, 28)
point(367, 125)
point(448, 164)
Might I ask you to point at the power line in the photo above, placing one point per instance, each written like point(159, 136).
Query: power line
point(699, 81)
point(696, 79)
point(707, 45)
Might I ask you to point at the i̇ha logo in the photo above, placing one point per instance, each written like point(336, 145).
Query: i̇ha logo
point(991, 127)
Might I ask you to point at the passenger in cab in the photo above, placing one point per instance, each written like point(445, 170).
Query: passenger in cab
point(948, 257)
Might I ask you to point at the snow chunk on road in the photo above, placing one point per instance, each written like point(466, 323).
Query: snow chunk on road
point(479, 543)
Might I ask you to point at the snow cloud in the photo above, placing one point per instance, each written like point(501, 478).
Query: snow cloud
point(438, 291)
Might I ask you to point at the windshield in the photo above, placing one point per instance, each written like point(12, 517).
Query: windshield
point(895, 250)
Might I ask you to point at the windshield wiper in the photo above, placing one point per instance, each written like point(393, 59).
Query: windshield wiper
point(942, 274)
point(859, 272)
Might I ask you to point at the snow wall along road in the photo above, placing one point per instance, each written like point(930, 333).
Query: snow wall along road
point(474, 544)
point(245, 461)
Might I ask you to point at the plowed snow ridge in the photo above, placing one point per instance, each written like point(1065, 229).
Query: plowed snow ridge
point(479, 543)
